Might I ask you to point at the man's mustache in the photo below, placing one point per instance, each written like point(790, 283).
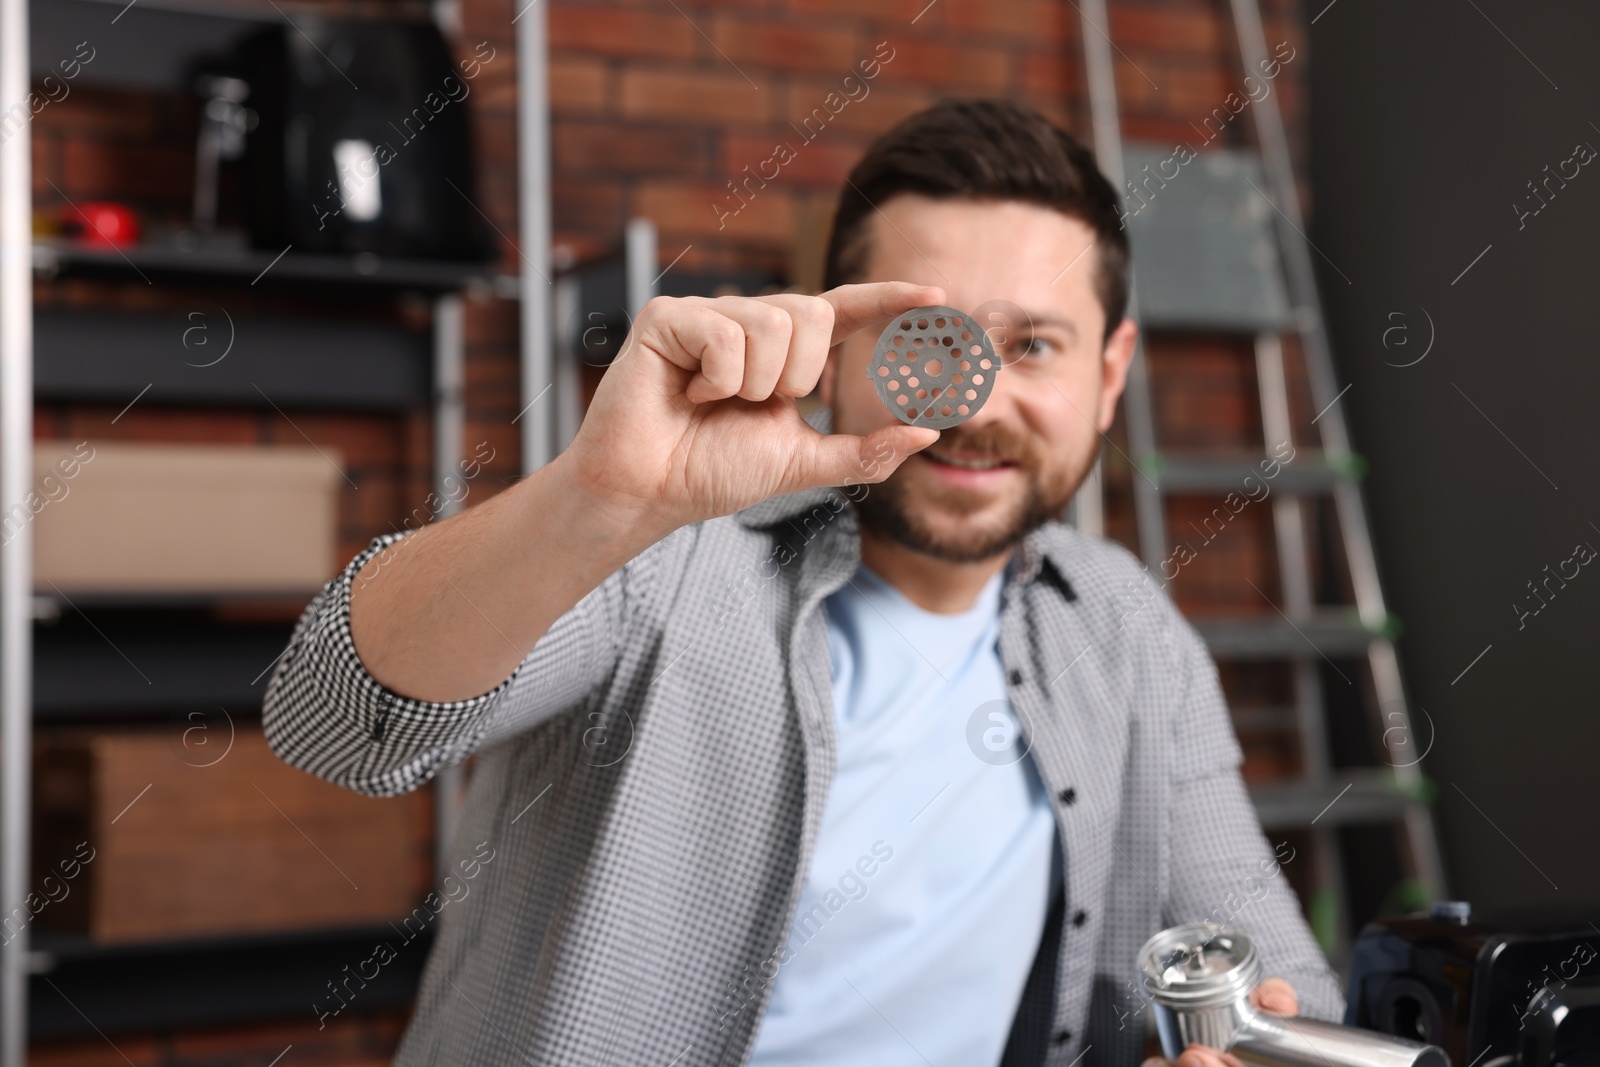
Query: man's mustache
point(991, 441)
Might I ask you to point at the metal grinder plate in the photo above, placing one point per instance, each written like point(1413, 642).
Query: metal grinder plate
point(934, 367)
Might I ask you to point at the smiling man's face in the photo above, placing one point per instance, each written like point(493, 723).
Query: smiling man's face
point(1028, 273)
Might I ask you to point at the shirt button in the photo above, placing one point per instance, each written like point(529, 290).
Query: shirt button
point(1080, 917)
point(1063, 1036)
point(1068, 795)
point(1016, 676)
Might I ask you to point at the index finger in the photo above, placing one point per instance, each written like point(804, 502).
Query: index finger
point(855, 306)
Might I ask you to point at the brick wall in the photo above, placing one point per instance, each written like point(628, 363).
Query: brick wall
point(656, 109)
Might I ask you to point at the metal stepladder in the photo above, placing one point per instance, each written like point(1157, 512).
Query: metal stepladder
point(1221, 247)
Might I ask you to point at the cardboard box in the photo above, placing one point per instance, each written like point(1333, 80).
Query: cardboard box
point(191, 836)
point(114, 517)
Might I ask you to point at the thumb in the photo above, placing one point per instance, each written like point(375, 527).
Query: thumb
point(1277, 996)
point(846, 459)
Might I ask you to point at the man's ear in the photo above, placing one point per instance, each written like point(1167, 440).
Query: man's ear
point(1114, 362)
point(830, 371)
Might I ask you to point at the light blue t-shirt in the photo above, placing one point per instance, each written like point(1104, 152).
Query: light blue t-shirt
point(927, 891)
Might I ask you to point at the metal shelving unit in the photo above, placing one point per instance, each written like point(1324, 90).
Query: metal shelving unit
point(210, 982)
point(190, 24)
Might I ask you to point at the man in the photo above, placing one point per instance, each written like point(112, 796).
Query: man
point(781, 773)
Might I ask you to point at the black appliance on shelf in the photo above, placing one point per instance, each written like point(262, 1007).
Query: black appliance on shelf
point(363, 142)
point(1511, 993)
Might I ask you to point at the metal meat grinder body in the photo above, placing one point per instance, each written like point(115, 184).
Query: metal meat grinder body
point(1199, 978)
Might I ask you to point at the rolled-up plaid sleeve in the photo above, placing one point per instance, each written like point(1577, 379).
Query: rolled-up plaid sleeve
point(1222, 868)
point(324, 713)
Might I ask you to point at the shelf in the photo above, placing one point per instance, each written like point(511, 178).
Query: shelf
point(171, 985)
point(231, 263)
point(253, 361)
point(1329, 633)
point(49, 605)
point(1307, 475)
point(126, 665)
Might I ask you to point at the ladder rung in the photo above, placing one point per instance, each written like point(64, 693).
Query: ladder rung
point(1247, 475)
point(1330, 633)
point(1372, 795)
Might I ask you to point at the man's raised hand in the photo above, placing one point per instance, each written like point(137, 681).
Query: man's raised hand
point(697, 417)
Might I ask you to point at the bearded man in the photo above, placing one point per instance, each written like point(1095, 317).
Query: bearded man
point(814, 740)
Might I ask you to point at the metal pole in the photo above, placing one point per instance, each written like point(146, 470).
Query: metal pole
point(533, 204)
point(449, 424)
point(1136, 408)
point(639, 256)
point(449, 408)
point(16, 556)
point(566, 398)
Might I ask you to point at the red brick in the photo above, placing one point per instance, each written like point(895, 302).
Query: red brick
point(578, 85)
point(1145, 83)
point(1196, 91)
point(374, 507)
point(887, 12)
point(493, 382)
point(46, 164)
point(823, 161)
point(498, 71)
point(1033, 20)
point(713, 95)
point(752, 43)
point(48, 423)
point(93, 112)
point(505, 439)
point(689, 210)
point(499, 100)
point(587, 205)
point(1233, 547)
point(1050, 72)
point(699, 10)
point(490, 323)
point(629, 149)
point(948, 66)
point(139, 1050)
point(620, 32)
point(695, 257)
point(1194, 32)
point(496, 197)
point(1204, 391)
point(1189, 91)
point(884, 105)
point(118, 171)
point(147, 422)
point(1065, 116)
point(1158, 130)
point(355, 442)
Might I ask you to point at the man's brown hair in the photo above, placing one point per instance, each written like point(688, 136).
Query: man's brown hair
point(983, 150)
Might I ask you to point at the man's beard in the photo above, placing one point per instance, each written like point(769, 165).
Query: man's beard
point(887, 511)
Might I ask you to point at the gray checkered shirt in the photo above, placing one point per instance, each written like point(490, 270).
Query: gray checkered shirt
point(651, 777)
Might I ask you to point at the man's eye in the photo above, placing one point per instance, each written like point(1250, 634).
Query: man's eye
point(1034, 346)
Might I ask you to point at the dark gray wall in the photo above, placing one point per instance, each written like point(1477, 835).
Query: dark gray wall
point(1427, 124)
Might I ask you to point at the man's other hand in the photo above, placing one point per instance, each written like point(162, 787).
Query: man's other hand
point(1273, 995)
